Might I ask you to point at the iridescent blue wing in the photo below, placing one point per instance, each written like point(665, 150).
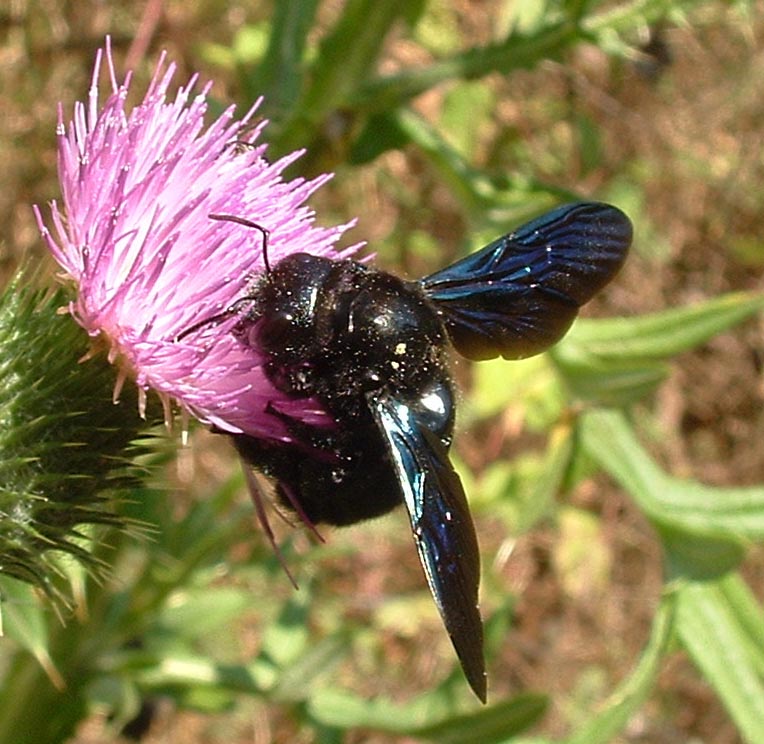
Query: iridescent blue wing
point(520, 294)
point(442, 527)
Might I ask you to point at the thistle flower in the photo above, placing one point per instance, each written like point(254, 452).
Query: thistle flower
point(136, 237)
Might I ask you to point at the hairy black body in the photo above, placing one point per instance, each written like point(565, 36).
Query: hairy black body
point(372, 349)
point(339, 331)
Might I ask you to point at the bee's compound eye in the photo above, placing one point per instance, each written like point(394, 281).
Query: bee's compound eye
point(276, 332)
point(294, 379)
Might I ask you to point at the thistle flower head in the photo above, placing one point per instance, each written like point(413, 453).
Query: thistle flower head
point(135, 235)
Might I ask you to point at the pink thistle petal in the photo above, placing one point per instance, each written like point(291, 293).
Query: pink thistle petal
point(135, 235)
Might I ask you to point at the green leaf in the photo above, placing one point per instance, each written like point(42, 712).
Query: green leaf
point(501, 200)
point(659, 335)
point(630, 694)
point(685, 503)
point(333, 707)
point(616, 361)
point(608, 382)
point(623, 17)
point(118, 694)
point(528, 387)
point(380, 134)
point(525, 16)
point(438, 31)
point(296, 680)
point(286, 638)
point(197, 671)
point(749, 614)
point(576, 9)
point(548, 38)
point(701, 525)
point(712, 634)
point(466, 110)
point(581, 555)
point(24, 620)
point(492, 723)
point(705, 529)
point(590, 145)
point(195, 612)
point(548, 483)
point(699, 554)
point(413, 11)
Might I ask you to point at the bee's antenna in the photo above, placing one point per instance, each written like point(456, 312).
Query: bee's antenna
point(227, 313)
point(248, 223)
point(236, 306)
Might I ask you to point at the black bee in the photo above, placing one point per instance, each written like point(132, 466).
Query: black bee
point(373, 349)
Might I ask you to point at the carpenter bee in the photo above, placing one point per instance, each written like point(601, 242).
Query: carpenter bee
point(373, 349)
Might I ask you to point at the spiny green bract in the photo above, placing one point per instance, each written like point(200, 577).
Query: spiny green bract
point(65, 447)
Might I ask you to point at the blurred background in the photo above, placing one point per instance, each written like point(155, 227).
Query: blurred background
point(447, 123)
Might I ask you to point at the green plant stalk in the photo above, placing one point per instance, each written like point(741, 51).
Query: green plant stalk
point(630, 15)
point(516, 52)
